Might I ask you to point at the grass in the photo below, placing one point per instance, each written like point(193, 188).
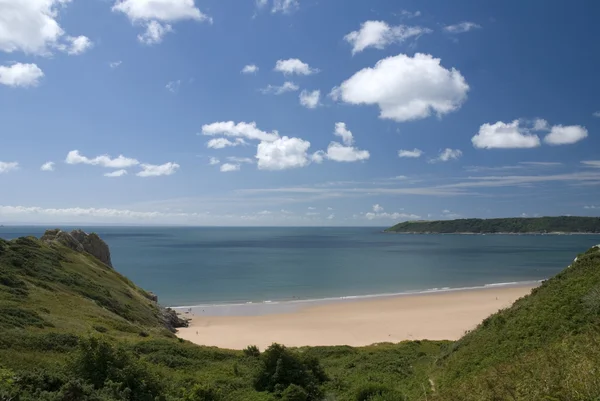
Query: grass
point(74, 329)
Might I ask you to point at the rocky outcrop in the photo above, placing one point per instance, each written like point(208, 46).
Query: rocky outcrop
point(171, 320)
point(80, 241)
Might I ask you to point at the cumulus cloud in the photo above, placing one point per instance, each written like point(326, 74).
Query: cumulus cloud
point(119, 162)
point(310, 100)
point(6, 167)
point(377, 208)
point(278, 90)
point(462, 27)
point(339, 152)
point(220, 143)
point(379, 34)
point(250, 69)
point(406, 88)
point(294, 66)
point(282, 153)
point(565, 135)
point(505, 136)
point(228, 167)
point(20, 75)
point(31, 26)
point(240, 130)
point(117, 173)
point(48, 166)
point(539, 124)
point(447, 155)
point(213, 161)
point(410, 153)
point(152, 170)
point(77, 45)
point(157, 15)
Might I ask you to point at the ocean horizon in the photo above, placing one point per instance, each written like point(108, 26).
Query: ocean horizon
point(245, 266)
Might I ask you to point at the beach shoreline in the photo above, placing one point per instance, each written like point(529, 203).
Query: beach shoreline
point(439, 315)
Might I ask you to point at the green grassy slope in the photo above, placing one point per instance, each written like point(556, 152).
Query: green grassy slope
point(72, 328)
point(571, 224)
point(546, 346)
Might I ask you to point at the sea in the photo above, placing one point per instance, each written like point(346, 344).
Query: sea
point(191, 266)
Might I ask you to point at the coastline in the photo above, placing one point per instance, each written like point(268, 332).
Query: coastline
point(485, 233)
point(439, 315)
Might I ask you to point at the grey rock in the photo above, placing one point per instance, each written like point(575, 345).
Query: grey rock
point(80, 241)
point(171, 320)
point(152, 296)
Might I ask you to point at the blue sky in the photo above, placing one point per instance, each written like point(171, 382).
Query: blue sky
point(297, 112)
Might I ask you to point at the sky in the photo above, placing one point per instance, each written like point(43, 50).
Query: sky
point(297, 112)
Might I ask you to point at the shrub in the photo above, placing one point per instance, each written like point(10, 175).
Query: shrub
point(202, 393)
point(252, 350)
point(294, 393)
point(377, 392)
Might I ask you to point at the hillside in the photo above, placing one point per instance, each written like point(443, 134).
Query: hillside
point(73, 328)
point(517, 225)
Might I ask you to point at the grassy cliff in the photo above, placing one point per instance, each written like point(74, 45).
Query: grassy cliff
point(73, 328)
point(517, 225)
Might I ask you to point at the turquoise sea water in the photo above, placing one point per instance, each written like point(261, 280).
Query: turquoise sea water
point(201, 266)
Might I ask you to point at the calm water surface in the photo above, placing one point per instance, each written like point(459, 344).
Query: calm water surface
point(191, 266)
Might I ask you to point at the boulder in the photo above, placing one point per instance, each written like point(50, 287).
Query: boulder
point(171, 320)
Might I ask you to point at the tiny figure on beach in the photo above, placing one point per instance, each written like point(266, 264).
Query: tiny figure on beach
point(196, 332)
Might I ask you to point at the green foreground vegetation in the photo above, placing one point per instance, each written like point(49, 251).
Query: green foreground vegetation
point(72, 328)
point(515, 225)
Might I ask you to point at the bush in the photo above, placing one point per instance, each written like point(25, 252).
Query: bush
point(252, 350)
point(281, 368)
point(294, 393)
point(377, 392)
point(202, 393)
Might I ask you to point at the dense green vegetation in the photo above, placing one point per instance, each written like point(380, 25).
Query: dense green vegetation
point(562, 224)
point(72, 328)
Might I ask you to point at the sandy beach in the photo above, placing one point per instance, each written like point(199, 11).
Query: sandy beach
point(434, 316)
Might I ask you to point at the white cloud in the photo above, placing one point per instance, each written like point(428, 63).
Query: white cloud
point(278, 90)
point(117, 173)
point(596, 114)
point(591, 207)
point(539, 124)
point(504, 136)
point(31, 26)
point(285, 6)
point(329, 208)
point(565, 135)
point(115, 64)
point(312, 213)
point(294, 66)
point(173, 86)
point(461, 27)
point(220, 143)
point(406, 88)
point(447, 155)
point(241, 130)
point(344, 133)
point(78, 45)
point(261, 3)
point(377, 208)
point(74, 157)
point(331, 216)
point(341, 152)
point(213, 161)
point(283, 153)
point(20, 75)
point(98, 213)
point(379, 34)
point(156, 15)
point(48, 166)
point(250, 69)
point(5, 167)
point(311, 208)
point(408, 14)
point(151, 170)
point(240, 159)
point(591, 163)
point(228, 167)
point(410, 153)
point(310, 99)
